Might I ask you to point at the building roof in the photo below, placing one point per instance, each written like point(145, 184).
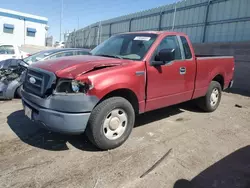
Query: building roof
point(23, 16)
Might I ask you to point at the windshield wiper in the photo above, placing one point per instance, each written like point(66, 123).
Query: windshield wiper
point(106, 55)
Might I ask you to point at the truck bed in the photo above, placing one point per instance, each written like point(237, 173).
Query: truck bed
point(213, 56)
point(210, 66)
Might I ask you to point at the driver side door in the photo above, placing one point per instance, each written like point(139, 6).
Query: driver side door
point(173, 82)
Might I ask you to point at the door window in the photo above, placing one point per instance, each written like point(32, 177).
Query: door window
point(170, 42)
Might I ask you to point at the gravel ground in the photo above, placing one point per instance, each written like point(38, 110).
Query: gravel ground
point(208, 150)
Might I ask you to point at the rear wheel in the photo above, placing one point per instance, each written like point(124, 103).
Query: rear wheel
point(111, 123)
point(211, 101)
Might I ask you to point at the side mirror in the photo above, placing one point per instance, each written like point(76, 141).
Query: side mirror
point(165, 55)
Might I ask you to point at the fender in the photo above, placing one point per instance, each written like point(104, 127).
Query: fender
point(102, 88)
point(214, 73)
point(10, 89)
point(119, 77)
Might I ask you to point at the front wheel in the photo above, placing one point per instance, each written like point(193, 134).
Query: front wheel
point(211, 101)
point(18, 92)
point(111, 123)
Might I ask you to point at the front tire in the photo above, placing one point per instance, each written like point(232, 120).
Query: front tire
point(211, 100)
point(111, 123)
point(18, 92)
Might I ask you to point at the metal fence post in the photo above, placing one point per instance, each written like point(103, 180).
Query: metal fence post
point(89, 36)
point(175, 9)
point(205, 21)
point(110, 29)
point(100, 33)
point(129, 26)
point(160, 18)
point(83, 36)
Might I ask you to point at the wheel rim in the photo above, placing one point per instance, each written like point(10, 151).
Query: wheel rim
point(214, 98)
point(115, 124)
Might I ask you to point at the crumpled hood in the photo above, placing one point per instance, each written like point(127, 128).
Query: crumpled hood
point(10, 63)
point(71, 67)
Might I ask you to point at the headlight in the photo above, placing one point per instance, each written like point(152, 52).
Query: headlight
point(72, 86)
point(75, 86)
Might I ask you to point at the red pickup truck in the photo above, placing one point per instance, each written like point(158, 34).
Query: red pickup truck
point(126, 75)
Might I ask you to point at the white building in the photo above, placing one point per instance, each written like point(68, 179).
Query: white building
point(20, 28)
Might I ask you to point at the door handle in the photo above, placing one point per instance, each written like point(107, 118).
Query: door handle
point(183, 70)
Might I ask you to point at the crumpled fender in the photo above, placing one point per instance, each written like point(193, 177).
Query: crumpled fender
point(7, 91)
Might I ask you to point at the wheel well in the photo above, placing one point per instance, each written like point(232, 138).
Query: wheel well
point(127, 94)
point(219, 78)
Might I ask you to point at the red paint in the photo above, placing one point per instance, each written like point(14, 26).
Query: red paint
point(158, 87)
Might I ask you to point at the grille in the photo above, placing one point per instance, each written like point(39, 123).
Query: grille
point(39, 82)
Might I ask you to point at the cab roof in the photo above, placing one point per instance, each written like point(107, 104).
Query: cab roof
point(155, 32)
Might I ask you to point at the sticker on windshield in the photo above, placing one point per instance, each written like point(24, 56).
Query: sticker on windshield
point(142, 38)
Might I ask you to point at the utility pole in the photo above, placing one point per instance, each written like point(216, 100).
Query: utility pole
point(61, 17)
point(24, 31)
point(174, 15)
point(175, 10)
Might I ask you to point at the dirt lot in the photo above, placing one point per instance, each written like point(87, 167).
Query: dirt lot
point(208, 150)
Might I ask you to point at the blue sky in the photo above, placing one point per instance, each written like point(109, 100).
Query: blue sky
point(88, 11)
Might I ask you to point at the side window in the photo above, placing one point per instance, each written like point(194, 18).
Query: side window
point(7, 49)
point(187, 51)
point(71, 53)
point(81, 52)
point(63, 54)
point(170, 42)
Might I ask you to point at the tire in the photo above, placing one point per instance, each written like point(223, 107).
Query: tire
point(104, 119)
point(18, 92)
point(208, 104)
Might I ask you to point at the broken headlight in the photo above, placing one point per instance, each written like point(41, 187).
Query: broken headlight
point(72, 86)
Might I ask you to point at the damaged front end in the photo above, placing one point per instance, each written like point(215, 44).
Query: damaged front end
point(11, 73)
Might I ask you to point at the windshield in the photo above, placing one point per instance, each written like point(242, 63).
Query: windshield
point(125, 46)
point(36, 57)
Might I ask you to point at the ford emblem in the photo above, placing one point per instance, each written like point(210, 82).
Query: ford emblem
point(32, 80)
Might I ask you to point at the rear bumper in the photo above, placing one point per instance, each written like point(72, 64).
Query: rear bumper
point(56, 118)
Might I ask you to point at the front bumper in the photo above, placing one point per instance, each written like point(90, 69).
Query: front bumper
point(57, 118)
